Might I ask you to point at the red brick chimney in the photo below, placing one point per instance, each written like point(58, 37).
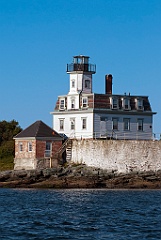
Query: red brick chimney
point(108, 84)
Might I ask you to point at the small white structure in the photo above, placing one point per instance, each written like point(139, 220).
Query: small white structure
point(84, 114)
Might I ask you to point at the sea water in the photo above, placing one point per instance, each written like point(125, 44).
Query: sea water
point(80, 214)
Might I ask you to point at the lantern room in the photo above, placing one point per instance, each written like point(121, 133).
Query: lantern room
point(81, 64)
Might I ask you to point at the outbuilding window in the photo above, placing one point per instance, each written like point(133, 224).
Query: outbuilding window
point(20, 147)
point(30, 146)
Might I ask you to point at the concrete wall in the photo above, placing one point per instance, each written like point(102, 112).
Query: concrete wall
point(122, 156)
point(25, 164)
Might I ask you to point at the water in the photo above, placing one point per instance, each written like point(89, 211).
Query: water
point(80, 214)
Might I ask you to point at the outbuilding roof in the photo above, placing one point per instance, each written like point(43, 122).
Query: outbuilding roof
point(39, 130)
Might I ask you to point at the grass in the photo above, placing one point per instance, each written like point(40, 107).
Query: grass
point(6, 163)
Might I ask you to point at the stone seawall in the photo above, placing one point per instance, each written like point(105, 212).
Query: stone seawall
point(120, 156)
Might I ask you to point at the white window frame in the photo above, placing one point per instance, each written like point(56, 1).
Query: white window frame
point(114, 103)
point(139, 102)
point(72, 123)
point(126, 124)
point(62, 104)
point(48, 149)
point(84, 102)
point(61, 124)
point(140, 124)
point(126, 103)
point(115, 120)
point(20, 147)
point(84, 123)
point(72, 103)
point(30, 147)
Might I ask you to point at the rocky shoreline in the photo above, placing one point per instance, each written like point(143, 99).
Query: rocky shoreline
point(79, 176)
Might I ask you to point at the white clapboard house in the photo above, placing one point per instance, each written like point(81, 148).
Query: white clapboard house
point(84, 114)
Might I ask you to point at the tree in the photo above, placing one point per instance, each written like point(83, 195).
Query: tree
point(7, 131)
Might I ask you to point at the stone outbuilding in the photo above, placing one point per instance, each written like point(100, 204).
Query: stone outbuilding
point(36, 147)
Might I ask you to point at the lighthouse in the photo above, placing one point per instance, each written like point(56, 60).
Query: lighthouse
point(80, 71)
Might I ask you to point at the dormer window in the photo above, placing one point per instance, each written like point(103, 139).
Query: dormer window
point(126, 103)
point(62, 104)
point(139, 103)
point(114, 103)
point(84, 102)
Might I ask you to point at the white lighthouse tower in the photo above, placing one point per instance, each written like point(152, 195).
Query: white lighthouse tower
point(72, 115)
point(80, 80)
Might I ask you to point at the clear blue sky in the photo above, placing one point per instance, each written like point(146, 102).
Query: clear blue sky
point(39, 37)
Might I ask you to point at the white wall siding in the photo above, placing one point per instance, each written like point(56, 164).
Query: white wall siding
point(133, 133)
point(78, 132)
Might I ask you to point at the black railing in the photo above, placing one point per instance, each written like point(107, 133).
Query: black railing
point(81, 67)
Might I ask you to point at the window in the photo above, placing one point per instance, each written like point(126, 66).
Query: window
point(73, 83)
point(30, 146)
point(48, 149)
point(72, 103)
point(84, 102)
point(127, 124)
point(103, 119)
point(62, 104)
point(84, 123)
point(20, 147)
point(126, 103)
point(72, 122)
point(114, 103)
point(139, 104)
point(87, 84)
point(61, 124)
point(140, 124)
point(115, 124)
point(48, 145)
